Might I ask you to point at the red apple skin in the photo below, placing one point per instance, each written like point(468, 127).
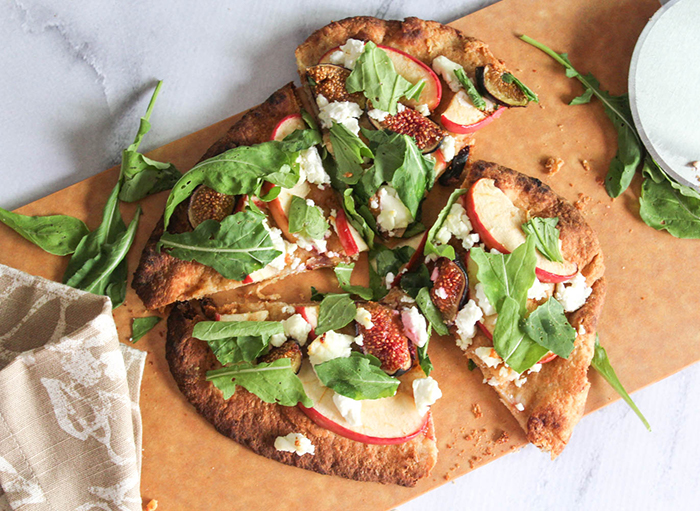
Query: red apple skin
point(551, 278)
point(485, 330)
point(471, 128)
point(278, 214)
point(440, 163)
point(547, 358)
point(241, 204)
point(248, 279)
point(295, 120)
point(484, 234)
point(344, 234)
point(416, 258)
point(300, 309)
point(328, 424)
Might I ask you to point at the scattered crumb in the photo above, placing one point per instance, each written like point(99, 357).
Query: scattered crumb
point(447, 477)
point(152, 505)
point(586, 166)
point(695, 164)
point(503, 438)
point(600, 180)
point(473, 461)
point(476, 410)
point(553, 165)
point(582, 202)
point(489, 451)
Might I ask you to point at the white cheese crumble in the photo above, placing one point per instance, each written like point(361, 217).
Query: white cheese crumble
point(329, 346)
point(446, 68)
point(378, 115)
point(364, 318)
point(415, 326)
point(441, 293)
point(581, 329)
point(466, 323)
point(519, 407)
point(423, 109)
point(389, 279)
point(311, 167)
point(488, 356)
point(425, 393)
point(343, 112)
point(288, 309)
point(538, 291)
point(574, 295)
point(350, 409)
point(310, 244)
point(393, 214)
point(348, 53)
point(457, 224)
point(359, 340)
point(278, 340)
point(483, 301)
point(535, 369)
point(297, 328)
point(295, 442)
point(448, 148)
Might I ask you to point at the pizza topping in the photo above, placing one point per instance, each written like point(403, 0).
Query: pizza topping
point(329, 346)
point(357, 377)
point(414, 326)
point(346, 113)
point(349, 408)
point(457, 224)
point(393, 214)
point(295, 327)
point(335, 312)
point(488, 356)
point(348, 53)
point(311, 168)
point(407, 121)
point(425, 393)
point(423, 109)
point(538, 291)
point(447, 148)
point(503, 87)
point(449, 289)
point(573, 293)
point(434, 247)
point(446, 68)
point(483, 301)
point(290, 350)
point(465, 322)
point(364, 318)
point(385, 340)
point(295, 442)
point(208, 204)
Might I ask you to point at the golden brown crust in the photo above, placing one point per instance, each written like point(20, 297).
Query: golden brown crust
point(555, 398)
point(255, 424)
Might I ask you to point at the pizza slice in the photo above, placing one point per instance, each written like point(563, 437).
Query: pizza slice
point(399, 103)
point(256, 208)
point(334, 387)
point(517, 275)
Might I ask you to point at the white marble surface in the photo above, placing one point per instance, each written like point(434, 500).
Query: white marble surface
point(74, 78)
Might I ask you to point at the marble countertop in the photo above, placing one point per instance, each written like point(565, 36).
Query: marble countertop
point(75, 76)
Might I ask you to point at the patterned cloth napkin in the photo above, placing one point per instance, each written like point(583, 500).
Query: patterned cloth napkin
point(70, 425)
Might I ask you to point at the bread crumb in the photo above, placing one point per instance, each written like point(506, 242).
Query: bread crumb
point(503, 438)
point(586, 166)
point(600, 180)
point(553, 165)
point(152, 505)
point(476, 410)
point(582, 202)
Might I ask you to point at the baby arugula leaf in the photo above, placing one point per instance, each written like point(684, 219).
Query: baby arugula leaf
point(350, 152)
point(343, 272)
point(237, 341)
point(335, 311)
point(601, 363)
point(56, 234)
point(273, 382)
point(470, 88)
point(140, 175)
point(431, 313)
point(546, 235)
point(412, 283)
point(358, 221)
point(357, 377)
point(510, 78)
point(306, 219)
point(375, 76)
point(430, 246)
point(235, 247)
point(511, 341)
point(141, 326)
point(547, 326)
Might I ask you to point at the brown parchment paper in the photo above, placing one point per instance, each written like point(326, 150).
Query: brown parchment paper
point(648, 324)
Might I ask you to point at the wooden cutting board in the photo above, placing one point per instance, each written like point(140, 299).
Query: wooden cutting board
point(652, 277)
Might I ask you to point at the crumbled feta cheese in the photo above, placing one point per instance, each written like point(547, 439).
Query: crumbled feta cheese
point(295, 442)
point(448, 148)
point(378, 115)
point(406, 299)
point(488, 356)
point(288, 309)
point(297, 328)
point(581, 329)
point(297, 264)
point(393, 214)
point(431, 258)
point(350, 409)
point(374, 203)
point(278, 340)
point(494, 251)
point(343, 112)
point(329, 346)
point(311, 167)
point(538, 291)
point(466, 323)
point(457, 224)
point(415, 326)
point(519, 407)
point(310, 203)
point(425, 393)
point(483, 301)
point(348, 53)
point(520, 381)
point(446, 68)
point(441, 293)
point(278, 263)
point(359, 340)
point(494, 382)
point(423, 109)
point(535, 369)
point(310, 244)
point(389, 279)
point(364, 318)
point(574, 295)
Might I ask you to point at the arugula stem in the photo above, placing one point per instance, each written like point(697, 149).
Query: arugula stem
point(152, 103)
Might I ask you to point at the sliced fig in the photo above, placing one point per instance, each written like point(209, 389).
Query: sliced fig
point(385, 340)
point(425, 132)
point(329, 80)
point(452, 174)
point(208, 204)
point(450, 288)
point(290, 349)
point(490, 82)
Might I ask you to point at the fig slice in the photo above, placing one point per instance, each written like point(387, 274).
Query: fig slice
point(490, 83)
point(290, 349)
point(386, 340)
point(451, 176)
point(425, 132)
point(329, 81)
point(208, 204)
point(450, 288)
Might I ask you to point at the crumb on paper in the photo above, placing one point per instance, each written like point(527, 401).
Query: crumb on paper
point(586, 166)
point(503, 438)
point(152, 505)
point(473, 461)
point(582, 202)
point(553, 165)
point(695, 164)
point(476, 410)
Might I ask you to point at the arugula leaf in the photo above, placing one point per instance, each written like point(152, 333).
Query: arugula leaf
point(511, 342)
point(316, 295)
point(335, 312)
point(306, 220)
point(237, 341)
point(510, 78)
point(357, 376)
point(235, 247)
point(547, 326)
point(140, 175)
point(376, 284)
point(298, 140)
point(141, 326)
point(273, 382)
point(343, 272)
point(470, 89)
point(546, 235)
point(423, 359)
point(426, 306)
point(471, 365)
point(601, 363)
point(430, 246)
point(375, 76)
point(56, 234)
point(349, 152)
point(414, 281)
point(357, 220)
point(391, 260)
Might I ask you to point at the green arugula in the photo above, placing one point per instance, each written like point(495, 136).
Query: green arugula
point(430, 246)
point(316, 295)
point(547, 326)
point(349, 152)
point(390, 260)
point(306, 220)
point(511, 341)
point(470, 89)
point(140, 175)
point(426, 306)
point(546, 235)
point(357, 377)
point(335, 311)
point(235, 247)
point(358, 221)
point(237, 341)
point(141, 326)
point(423, 359)
point(299, 140)
point(343, 272)
point(98, 264)
point(411, 283)
point(529, 94)
point(375, 76)
point(273, 382)
point(56, 234)
point(601, 363)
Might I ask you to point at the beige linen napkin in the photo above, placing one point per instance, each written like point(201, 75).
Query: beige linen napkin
point(70, 426)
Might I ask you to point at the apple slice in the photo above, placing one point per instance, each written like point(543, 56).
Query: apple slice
point(349, 238)
point(244, 316)
point(310, 314)
point(498, 222)
point(279, 206)
point(412, 70)
point(461, 116)
point(287, 125)
point(391, 420)
point(418, 243)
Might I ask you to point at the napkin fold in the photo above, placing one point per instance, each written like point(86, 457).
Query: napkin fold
point(70, 425)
